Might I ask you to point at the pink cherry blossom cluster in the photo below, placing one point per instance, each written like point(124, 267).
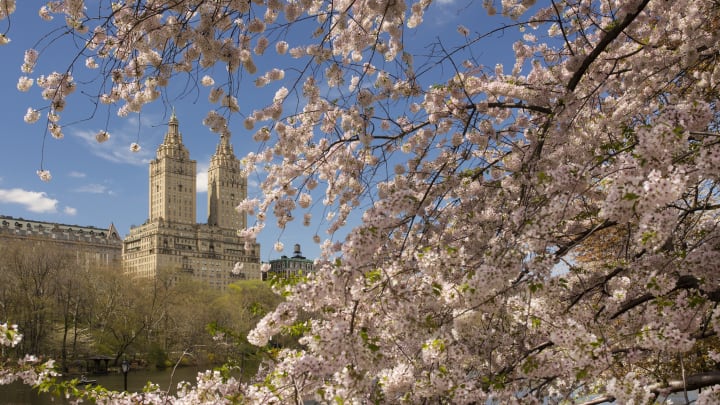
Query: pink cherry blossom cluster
point(472, 189)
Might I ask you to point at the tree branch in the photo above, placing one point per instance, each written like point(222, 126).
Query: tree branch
point(520, 105)
point(604, 42)
point(691, 383)
point(582, 236)
point(600, 400)
point(684, 282)
point(597, 282)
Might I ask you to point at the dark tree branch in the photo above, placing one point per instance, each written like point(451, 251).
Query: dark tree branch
point(684, 282)
point(582, 236)
point(352, 319)
point(630, 304)
point(691, 383)
point(609, 37)
point(520, 105)
point(540, 347)
point(600, 400)
point(597, 282)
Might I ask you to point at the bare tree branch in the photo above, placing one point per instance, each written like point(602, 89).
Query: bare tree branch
point(691, 383)
point(602, 44)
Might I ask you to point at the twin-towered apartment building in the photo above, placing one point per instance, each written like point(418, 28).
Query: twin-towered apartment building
point(170, 239)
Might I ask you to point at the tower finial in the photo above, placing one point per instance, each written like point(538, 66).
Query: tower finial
point(173, 134)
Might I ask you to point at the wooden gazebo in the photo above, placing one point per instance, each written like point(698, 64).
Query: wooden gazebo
point(98, 364)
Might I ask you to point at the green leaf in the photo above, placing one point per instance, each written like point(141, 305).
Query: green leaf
point(629, 196)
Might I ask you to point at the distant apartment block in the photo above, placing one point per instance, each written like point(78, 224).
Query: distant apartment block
point(92, 246)
point(287, 267)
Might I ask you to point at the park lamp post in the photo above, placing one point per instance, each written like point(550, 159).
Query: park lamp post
point(125, 367)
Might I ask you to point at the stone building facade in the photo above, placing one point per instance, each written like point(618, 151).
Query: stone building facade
point(171, 239)
point(92, 246)
point(287, 267)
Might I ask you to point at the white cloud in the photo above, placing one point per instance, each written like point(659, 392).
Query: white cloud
point(33, 201)
point(254, 179)
point(201, 180)
point(93, 189)
point(78, 175)
point(444, 13)
point(117, 148)
point(70, 210)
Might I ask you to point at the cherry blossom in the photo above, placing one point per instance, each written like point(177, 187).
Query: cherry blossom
point(24, 83)
point(539, 230)
point(44, 175)
point(102, 136)
point(32, 115)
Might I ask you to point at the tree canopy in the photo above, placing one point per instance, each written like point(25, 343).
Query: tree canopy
point(486, 194)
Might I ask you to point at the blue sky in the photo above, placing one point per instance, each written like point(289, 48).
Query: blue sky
point(99, 184)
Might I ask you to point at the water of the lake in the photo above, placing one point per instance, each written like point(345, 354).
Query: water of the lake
point(19, 394)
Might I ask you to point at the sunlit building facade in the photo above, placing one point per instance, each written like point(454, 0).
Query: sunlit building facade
point(171, 239)
point(92, 246)
point(287, 267)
